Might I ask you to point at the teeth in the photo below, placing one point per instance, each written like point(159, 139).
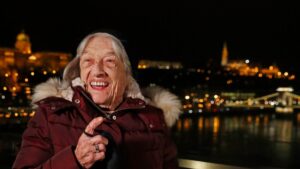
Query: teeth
point(101, 84)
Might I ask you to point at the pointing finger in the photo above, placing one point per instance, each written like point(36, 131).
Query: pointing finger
point(93, 124)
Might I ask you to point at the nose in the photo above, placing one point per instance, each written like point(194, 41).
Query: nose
point(98, 70)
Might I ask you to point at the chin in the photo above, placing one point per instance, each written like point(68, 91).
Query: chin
point(100, 102)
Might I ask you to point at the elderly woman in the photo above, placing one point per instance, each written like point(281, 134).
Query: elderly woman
point(97, 117)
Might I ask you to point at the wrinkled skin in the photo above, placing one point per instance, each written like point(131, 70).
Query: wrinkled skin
point(103, 72)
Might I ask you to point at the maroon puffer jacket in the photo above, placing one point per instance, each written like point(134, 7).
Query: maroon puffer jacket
point(138, 130)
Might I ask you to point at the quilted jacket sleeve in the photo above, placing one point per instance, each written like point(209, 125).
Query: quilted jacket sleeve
point(37, 150)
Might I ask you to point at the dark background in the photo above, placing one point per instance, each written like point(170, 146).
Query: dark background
point(262, 31)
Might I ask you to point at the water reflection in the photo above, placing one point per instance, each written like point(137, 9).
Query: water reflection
point(252, 139)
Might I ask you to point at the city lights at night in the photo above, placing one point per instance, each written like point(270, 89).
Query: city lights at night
point(233, 65)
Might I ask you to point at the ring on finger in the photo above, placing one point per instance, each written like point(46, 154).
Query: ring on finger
point(97, 148)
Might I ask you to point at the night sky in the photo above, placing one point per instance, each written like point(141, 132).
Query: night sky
point(264, 32)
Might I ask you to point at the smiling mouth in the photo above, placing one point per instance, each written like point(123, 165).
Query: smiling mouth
point(99, 85)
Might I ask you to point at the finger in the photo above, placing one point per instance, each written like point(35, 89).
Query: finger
point(93, 124)
point(92, 148)
point(89, 160)
point(99, 156)
point(99, 148)
point(102, 147)
point(83, 151)
point(98, 139)
point(87, 145)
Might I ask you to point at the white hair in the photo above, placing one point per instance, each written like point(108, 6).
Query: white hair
point(72, 70)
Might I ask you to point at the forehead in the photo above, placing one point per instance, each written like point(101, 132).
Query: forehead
point(99, 43)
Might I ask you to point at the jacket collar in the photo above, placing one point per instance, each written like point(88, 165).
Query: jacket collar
point(85, 104)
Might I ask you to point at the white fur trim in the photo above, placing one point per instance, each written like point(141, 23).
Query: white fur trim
point(78, 82)
point(133, 89)
point(52, 88)
point(165, 100)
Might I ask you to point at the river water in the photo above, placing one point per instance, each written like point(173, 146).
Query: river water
point(255, 140)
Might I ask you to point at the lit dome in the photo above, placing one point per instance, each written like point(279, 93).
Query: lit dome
point(23, 43)
point(22, 37)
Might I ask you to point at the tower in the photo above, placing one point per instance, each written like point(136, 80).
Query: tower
point(224, 60)
point(23, 43)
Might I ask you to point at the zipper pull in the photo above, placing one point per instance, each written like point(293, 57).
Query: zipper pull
point(111, 116)
point(108, 116)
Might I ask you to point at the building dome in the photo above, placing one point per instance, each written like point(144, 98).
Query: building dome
point(23, 43)
point(22, 37)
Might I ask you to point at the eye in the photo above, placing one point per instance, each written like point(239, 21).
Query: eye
point(85, 60)
point(110, 61)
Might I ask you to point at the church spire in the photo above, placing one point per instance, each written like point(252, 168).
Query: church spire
point(225, 54)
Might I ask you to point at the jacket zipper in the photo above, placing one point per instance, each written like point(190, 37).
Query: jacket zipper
point(107, 115)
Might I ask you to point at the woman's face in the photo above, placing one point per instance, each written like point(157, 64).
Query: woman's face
point(103, 72)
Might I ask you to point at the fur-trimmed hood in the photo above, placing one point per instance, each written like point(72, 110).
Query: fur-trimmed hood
point(155, 96)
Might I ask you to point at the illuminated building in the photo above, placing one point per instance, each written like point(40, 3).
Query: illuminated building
point(245, 68)
point(21, 69)
point(146, 64)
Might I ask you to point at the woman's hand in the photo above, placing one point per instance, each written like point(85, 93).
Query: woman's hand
point(91, 148)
